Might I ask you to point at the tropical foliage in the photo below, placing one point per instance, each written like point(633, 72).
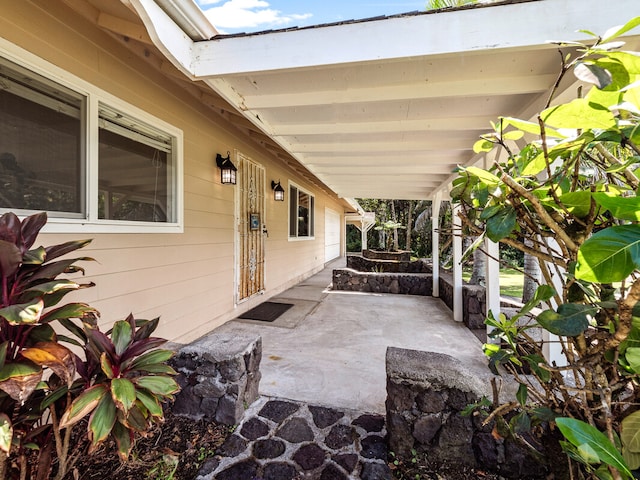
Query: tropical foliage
point(567, 194)
point(50, 381)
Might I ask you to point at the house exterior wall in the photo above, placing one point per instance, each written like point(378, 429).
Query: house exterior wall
point(188, 278)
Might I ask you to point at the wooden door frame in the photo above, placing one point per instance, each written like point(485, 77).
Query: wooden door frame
point(240, 160)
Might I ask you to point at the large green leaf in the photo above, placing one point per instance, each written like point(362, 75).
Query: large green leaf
point(23, 313)
point(123, 393)
point(632, 355)
point(623, 208)
point(579, 113)
point(535, 363)
point(630, 432)
point(124, 440)
point(534, 166)
point(484, 176)
point(570, 320)
point(157, 385)
point(530, 127)
point(615, 32)
point(501, 224)
point(84, 404)
point(150, 402)
point(610, 255)
point(6, 433)
point(580, 433)
point(121, 336)
point(3, 352)
point(102, 420)
point(19, 380)
point(150, 358)
point(577, 203)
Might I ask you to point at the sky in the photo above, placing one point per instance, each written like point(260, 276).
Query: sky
point(235, 16)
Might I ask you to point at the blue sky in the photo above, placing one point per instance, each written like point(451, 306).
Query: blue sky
point(233, 16)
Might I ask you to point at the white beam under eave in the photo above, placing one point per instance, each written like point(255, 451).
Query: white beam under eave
point(493, 281)
point(435, 242)
point(468, 87)
point(458, 312)
point(475, 29)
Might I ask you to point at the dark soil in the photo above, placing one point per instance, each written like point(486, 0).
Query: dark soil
point(174, 450)
point(177, 449)
point(418, 467)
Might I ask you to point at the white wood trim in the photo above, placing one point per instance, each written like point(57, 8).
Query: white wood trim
point(94, 95)
point(457, 264)
point(291, 183)
point(436, 202)
point(495, 27)
point(492, 279)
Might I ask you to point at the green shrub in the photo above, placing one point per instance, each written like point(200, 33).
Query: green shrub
point(118, 379)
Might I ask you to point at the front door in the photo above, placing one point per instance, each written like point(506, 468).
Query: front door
point(250, 228)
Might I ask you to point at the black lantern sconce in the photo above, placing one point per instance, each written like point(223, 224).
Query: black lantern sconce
point(227, 169)
point(278, 191)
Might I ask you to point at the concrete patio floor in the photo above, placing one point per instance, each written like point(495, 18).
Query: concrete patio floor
point(329, 348)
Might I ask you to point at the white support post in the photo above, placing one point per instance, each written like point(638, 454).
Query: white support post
point(551, 348)
point(457, 265)
point(363, 233)
point(493, 280)
point(435, 242)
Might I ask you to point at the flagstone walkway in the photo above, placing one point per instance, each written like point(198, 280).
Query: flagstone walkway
point(287, 440)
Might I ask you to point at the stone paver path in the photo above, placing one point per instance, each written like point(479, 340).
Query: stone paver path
point(288, 440)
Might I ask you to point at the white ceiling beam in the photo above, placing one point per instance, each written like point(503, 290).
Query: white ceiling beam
point(476, 29)
point(382, 146)
point(434, 157)
point(469, 87)
point(373, 169)
point(428, 124)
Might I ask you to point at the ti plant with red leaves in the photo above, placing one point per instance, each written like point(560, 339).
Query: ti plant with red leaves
point(45, 387)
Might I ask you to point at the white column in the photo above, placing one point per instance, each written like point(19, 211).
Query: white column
point(363, 234)
point(457, 265)
point(435, 242)
point(551, 348)
point(492, 279)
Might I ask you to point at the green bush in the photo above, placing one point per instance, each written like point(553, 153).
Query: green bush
point(572, 190)
point(118, 379)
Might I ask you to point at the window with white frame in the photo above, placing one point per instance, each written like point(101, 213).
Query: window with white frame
point(301, 213)
point(82, 156)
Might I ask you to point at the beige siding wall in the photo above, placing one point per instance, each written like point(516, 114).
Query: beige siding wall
point(187, 279)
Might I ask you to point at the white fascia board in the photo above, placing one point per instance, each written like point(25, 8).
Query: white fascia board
point(476, 29)
point(166, 35)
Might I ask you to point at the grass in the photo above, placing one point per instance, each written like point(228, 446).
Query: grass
point(510, 282)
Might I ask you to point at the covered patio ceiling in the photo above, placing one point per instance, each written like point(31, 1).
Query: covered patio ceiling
point(385, 108)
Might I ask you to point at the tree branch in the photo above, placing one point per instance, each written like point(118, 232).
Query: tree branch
point(542, 213)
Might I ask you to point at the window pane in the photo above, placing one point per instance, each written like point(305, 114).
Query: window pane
point(303, 214)
point(293, 209)
point(312, 221)
point(41, 146)
point(134, 173)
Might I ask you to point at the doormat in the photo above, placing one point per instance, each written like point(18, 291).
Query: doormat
point(266, 311)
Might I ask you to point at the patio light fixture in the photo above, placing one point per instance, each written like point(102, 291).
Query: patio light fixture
point(278, 191)
point(227, 169)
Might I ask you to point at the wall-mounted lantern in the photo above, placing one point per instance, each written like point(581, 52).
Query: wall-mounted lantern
point(227, 169)
point(278, 191)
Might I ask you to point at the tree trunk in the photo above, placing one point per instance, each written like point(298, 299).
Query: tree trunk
point(409, 226)
point(395, 230)
point(532, 275)
point(478, 275)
